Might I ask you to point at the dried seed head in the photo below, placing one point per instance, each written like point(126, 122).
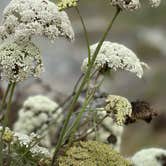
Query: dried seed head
point(141, 110)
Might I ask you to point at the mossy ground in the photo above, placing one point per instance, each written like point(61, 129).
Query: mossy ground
point(92, 153)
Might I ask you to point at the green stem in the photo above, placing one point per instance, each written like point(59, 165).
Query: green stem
point(4, 97)
point(85, 104)
point(1, 109)
point(85, 79)
point(78, 119)
point(5, 123)
point(85, 34)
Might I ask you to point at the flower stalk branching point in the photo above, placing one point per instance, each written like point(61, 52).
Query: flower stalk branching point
point(84, 81)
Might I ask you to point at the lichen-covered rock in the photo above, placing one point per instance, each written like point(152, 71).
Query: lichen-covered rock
point(91, 153)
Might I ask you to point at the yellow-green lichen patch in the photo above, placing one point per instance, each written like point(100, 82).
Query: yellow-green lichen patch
point(92, 153)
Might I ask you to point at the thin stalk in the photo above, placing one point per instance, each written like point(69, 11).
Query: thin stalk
point(5, 123)
point(85, 34)
point(1, 109)
point(78, 119)
point(85, 104)
point(85, 79)
point(8, 155)
point(30, 146)
point(4, 97)
point(92, 130)
point(61, 105)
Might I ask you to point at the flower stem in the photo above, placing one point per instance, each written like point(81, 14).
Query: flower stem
point(85, 34)
point(83, 83)
point(1, 109)
point(5, 123)
point(4, 97)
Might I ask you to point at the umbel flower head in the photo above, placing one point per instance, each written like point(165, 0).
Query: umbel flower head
point(26, 18)
point(119, 107)
point(131, 5)
point(36, 113)
point(7, 136)
point(19, 61)
point(150, 157)
point(91, 153)
point(63, 4)
point(115, 56)
point(128, 5)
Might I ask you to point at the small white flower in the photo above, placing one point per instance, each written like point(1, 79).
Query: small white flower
point(19, 61)
point(115, 56)
point(27, 18)
point(149, 157)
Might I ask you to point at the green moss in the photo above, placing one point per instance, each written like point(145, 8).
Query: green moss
point(91, 153)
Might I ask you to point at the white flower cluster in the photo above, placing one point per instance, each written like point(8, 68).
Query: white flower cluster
point(31, 141)
point(131, 5)
point(63, 4)
point(119, 107)
point(36, 113)
point(108, 132)
point(150, 157)
point(19, 140)
point(115, 56)
point(128, 5)
point(26, 18)
point(19, 61)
